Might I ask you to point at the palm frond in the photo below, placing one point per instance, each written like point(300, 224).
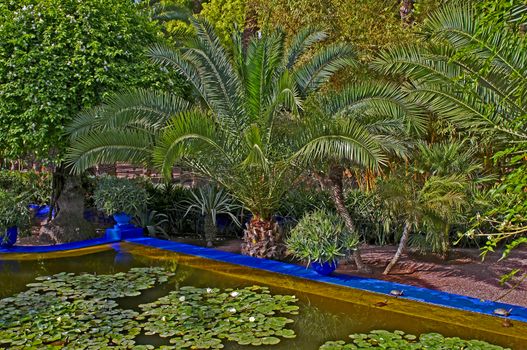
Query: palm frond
point(311, 75)
point(148, 110)
point(108, 147)
point(302, 41)
point(344, 140)
point(190, 136)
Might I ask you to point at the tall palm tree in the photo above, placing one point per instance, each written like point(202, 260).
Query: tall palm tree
point(235, 134)
point(466, 71)
point(386, 113)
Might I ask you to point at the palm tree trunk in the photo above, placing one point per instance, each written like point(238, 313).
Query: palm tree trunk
point(263, 239)
point(210, 230)
point(400, 249)
point(445, 243)
point(337, 194)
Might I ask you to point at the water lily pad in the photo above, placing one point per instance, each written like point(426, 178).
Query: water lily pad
point(207, 316)
point(382, 339)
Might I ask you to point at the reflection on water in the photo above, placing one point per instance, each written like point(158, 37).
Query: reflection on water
point(321, 318)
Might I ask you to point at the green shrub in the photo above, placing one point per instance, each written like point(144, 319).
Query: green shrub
point(36, 186)
point(304, 199)
point(115, 195)
point(13, 211)
point(164, 198)
point(320, 237)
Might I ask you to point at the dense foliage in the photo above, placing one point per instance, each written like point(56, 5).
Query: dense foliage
point(320, 237)
point(58, 57)
point(13, 211)
point(115, 195)
point(36, 187)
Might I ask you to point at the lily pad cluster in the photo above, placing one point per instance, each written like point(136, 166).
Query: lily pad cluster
point(203, 317)
point(68, 311)
point(78, 311)
point(381, 339)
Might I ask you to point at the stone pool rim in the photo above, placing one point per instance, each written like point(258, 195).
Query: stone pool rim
point(413, 293)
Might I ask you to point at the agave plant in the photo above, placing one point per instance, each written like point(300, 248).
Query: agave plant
point(210, 201)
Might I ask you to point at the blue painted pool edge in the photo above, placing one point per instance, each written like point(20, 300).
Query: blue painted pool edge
point(424, 295)
point(57, 247)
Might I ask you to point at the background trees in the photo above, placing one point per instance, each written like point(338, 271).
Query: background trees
point(56, 59)
point(59, 57)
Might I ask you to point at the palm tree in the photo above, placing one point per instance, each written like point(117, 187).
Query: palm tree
point(432, 204)
point(433, 192)
point(466, 71)
point(235, 133)
point(385, 113)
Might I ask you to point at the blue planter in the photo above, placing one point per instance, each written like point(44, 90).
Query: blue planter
point(41, 212)
point(8, 239)
point(324, 268)
point(122, 219)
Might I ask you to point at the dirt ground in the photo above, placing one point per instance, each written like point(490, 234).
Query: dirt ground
point(465, 273)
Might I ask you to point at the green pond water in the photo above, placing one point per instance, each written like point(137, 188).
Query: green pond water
point(319, 318)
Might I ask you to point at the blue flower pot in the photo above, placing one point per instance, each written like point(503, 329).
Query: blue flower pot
point(8, 239)
point(324, 268)
point(122, 219)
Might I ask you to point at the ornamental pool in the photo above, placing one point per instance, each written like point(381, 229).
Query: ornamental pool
point(326, 311)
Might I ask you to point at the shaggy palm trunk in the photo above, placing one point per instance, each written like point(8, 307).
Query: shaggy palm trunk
point(210, 230)
point(337, 194)
point(400, 249)
point(263, 239)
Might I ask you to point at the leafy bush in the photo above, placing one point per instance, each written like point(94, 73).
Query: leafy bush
point(303, 199)
point(13, 211)
point(115, 195)
point(320, 237)
point(37, 186)
point(164, 198)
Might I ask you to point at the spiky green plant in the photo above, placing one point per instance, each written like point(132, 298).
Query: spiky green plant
point(210, 201)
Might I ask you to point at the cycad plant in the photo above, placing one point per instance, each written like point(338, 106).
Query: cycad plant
point(242, 132)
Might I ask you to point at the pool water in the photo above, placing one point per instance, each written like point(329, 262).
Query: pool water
point(326, 312)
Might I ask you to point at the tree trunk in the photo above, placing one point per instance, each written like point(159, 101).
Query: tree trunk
point(337, 194)
point(69, 224)
point(401, 249)
point(445, 243)
point(210, 230)
point(250, 26)
point(263, 239)
point(406, 11)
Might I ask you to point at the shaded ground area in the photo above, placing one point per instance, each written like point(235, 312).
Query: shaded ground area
point(464, 273)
